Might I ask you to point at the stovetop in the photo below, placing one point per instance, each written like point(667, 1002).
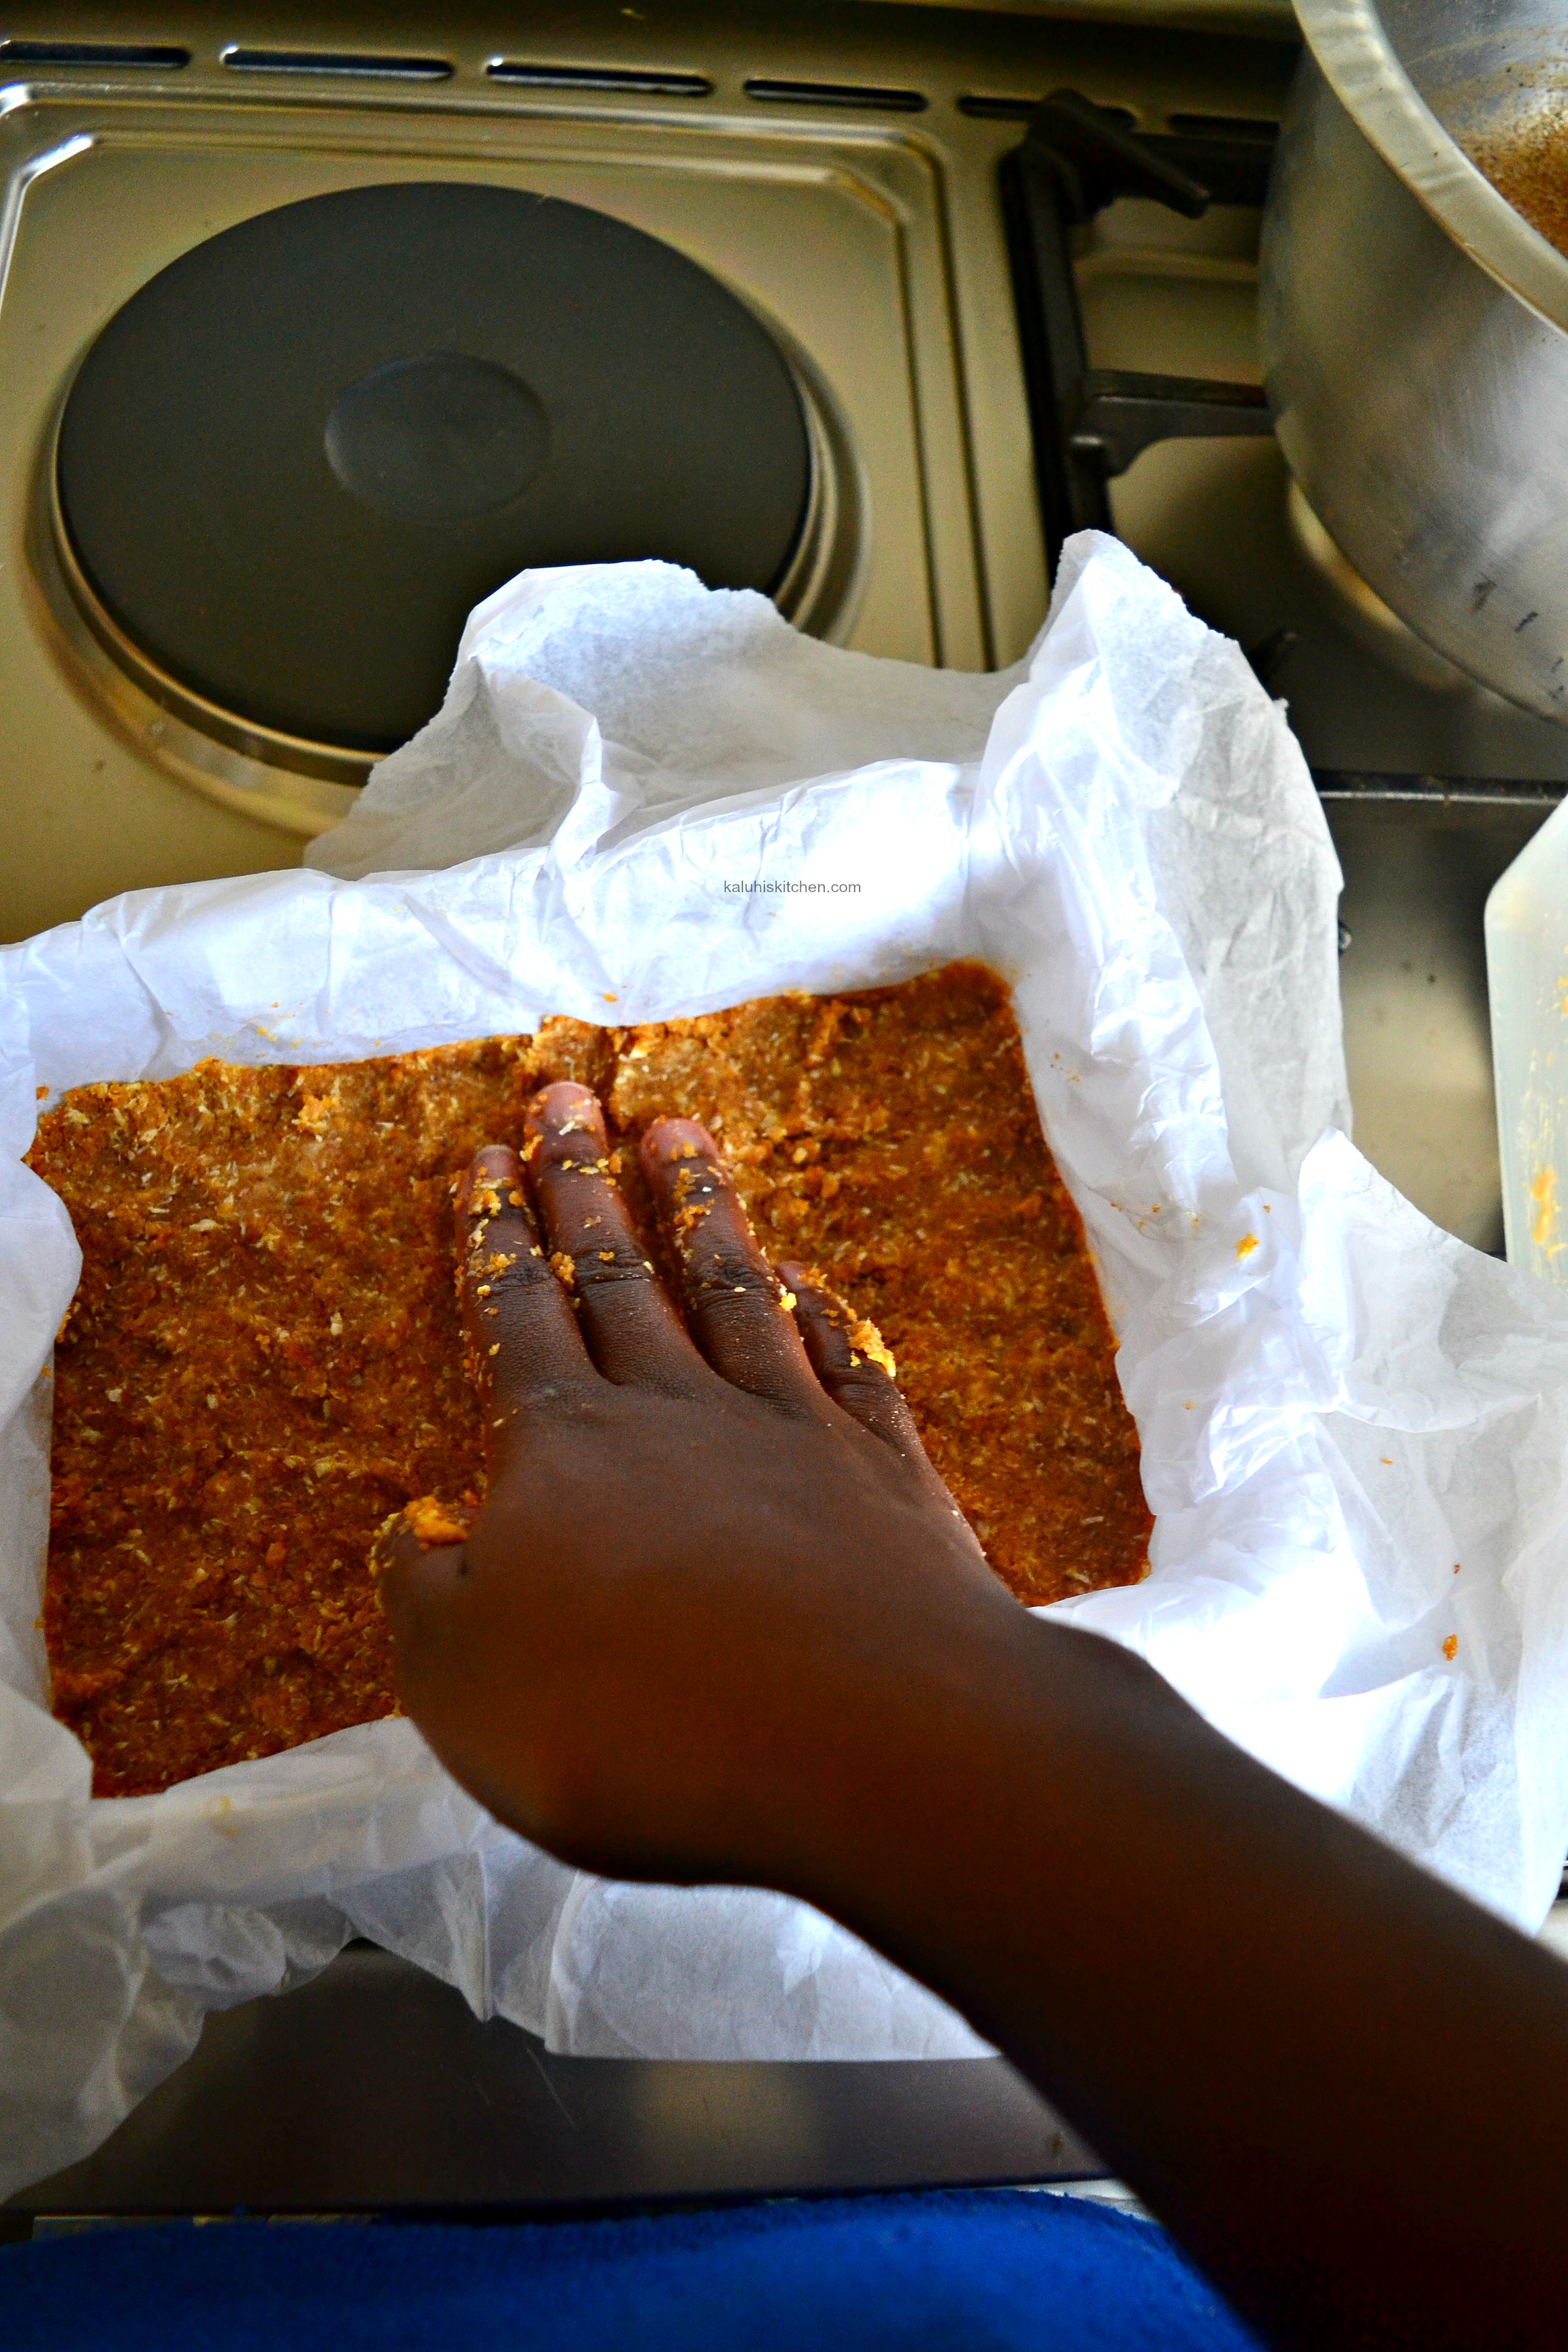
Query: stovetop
point(834, 169)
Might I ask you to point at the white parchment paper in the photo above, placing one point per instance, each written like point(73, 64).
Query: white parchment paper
point(1354, 1429)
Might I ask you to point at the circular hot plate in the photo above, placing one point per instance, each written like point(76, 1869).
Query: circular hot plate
point(294, 461)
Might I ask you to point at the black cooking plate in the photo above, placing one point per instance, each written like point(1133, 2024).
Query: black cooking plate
point(294, 461)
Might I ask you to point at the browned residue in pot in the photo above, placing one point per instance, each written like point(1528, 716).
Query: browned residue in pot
point(1529, 165)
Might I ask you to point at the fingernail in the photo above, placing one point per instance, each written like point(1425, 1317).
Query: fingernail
point(566, 1107)
point(670, 1140)
point(492, 1166)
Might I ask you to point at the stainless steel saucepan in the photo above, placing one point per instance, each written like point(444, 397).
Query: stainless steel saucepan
point(1415, 327)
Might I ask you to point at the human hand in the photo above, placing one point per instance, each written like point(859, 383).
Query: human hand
point(716, 1583)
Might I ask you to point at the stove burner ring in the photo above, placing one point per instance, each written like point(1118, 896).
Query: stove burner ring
point(433, 444)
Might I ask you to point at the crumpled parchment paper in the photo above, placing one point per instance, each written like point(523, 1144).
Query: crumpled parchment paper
point(1355, 1428)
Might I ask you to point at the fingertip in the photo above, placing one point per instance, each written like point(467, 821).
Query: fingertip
point(812, 1293)
point(668, 1141)
point(818, 1309)
point(394, 1551)
point(418, 1550)
point(848, 1352)
point(563, 1107)
point(802, 1294)
point(480, 1187)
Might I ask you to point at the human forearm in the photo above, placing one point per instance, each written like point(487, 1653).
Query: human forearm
point(1138, 1915)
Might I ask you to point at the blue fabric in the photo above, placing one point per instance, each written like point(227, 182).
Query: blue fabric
point(998, 2272)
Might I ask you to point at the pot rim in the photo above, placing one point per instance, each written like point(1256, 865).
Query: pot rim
point(1357, 60)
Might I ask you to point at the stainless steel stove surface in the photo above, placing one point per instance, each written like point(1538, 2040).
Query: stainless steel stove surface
point(829, 175)
point(826, 178)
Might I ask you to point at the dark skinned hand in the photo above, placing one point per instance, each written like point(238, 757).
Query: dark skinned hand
point(711, 1547)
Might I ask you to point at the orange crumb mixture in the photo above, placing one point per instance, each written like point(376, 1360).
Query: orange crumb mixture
point(263, 1360)
point(889, 1139)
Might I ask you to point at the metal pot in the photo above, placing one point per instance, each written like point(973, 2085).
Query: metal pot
point(1415, 327)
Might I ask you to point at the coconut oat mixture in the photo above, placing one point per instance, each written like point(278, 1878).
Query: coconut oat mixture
point(263, 1359)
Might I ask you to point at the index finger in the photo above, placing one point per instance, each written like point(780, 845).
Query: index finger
point(524, 1350)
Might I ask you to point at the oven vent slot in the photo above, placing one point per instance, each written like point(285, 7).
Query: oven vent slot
point(1022, 110)
point(838, 93)
point(1225, 126)
point(341, 64)
point(160, 55)
point(632, 79)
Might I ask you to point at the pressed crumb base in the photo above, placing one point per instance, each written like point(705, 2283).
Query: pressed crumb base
point(263, 1360)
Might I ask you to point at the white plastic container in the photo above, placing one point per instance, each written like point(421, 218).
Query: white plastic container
point(1527, 977)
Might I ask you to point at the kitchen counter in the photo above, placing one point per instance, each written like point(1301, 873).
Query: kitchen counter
point(376, 2087)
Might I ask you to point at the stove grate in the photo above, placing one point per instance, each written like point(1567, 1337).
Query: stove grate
point(1089, 425)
